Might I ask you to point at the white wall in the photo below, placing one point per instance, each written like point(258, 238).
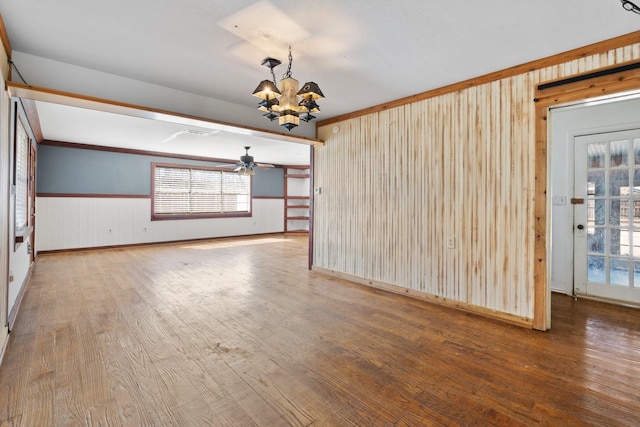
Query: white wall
point(20, 263)
point(567, 123)
point(4, 203)
point(19, 258)
point(47, 73)
point(74, 222)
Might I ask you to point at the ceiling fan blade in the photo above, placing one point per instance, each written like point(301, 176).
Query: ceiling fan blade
point(264, 166)
point(226, 165)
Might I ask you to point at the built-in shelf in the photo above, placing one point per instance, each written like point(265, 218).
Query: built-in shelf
point(296, 199)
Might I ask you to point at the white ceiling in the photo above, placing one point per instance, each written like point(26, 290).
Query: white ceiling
point(184, 137)
point(361, 52)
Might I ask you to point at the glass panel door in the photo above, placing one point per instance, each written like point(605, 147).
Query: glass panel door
point(607, 216)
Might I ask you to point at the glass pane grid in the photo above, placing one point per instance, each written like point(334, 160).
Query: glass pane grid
point(613, 213)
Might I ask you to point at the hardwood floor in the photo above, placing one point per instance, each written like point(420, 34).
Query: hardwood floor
point(237, 332)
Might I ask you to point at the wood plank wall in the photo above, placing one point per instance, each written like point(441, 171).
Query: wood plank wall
point(399, 184)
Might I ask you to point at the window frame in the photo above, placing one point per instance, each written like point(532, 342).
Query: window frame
point(160, 217)
point(21, 184)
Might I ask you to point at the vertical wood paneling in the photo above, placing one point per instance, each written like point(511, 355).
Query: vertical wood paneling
point(399, 183)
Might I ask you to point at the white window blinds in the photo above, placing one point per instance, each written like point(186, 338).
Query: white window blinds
point(21, 176)
point(193, 191)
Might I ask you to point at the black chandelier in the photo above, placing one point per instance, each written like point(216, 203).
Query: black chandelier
point(630, 6)
point(283, 104)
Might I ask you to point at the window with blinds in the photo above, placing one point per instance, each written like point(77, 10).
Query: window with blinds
point(21, 176)
point(192, 192)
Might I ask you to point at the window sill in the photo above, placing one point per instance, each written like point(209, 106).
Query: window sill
point(163, 217)
point(21, 235)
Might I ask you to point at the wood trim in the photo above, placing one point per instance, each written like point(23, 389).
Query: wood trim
point(560, 58)
point(434, 299)
point(31, 111)
point(95, 196)
point(601, 72)
point(594, 87)
point(48, 142)
point(181, 217)
point(76, 100)
point(4, 37)
point(541, 305)
point(554, 96)
point(286, 197)
point(80, 146)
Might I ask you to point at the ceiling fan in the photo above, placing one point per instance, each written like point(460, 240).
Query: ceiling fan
point(246, 165)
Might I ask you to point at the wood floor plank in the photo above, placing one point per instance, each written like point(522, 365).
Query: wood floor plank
point(237, 332)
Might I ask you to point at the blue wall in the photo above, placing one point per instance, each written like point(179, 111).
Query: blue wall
point(68, 170)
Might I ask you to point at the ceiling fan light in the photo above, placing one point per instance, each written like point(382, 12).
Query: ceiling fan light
point(311, 89)
point(267, 90)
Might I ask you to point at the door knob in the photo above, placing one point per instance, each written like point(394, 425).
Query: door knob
point(580, 227)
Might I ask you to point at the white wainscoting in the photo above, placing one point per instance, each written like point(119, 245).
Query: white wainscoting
point(77, 222)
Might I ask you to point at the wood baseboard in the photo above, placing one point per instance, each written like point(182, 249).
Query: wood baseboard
point(168, 242)
point(434, 299)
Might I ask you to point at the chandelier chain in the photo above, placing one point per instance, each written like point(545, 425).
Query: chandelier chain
point(630, 6)
point(288, 73)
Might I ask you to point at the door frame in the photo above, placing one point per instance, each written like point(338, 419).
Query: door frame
point(559, 92)
point(32, 200)
point(621, 295)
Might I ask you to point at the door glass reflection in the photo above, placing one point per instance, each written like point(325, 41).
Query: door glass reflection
point(596, 184)
point(619, 242)
point(596, 272)
point(596, 155)
point(596, 240)
point(619, 271)
point(618, 183)
point(619, 152)
point(596, 212)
